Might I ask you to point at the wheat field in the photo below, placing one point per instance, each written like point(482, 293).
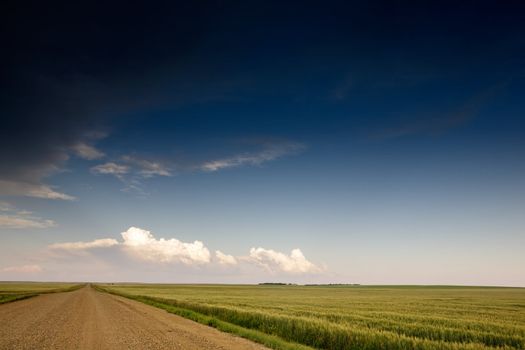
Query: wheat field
point(12, 291)
point(354, 317)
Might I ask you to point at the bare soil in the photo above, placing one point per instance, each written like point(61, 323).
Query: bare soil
point(87, 319)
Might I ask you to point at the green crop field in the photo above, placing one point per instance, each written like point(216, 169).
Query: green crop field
point(349, 317)
point(11, 291)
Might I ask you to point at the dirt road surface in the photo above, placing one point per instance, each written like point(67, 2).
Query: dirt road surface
point(87, 319)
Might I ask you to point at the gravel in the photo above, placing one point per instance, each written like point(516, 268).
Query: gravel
point(87, 319)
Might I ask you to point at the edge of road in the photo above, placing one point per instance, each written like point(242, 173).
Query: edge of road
point(265, 339)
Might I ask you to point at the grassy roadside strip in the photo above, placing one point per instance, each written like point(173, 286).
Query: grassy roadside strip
point(267, 340)
point(10, 297)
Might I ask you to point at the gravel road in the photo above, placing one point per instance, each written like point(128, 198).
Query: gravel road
point(87, 319)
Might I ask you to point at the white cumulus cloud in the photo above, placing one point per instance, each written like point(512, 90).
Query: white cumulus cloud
point(143, 245)
point(97, 243)
point(273, 260)
point(225, 259)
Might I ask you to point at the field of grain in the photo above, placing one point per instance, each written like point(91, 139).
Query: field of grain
point(11, 291)
point(354, 317)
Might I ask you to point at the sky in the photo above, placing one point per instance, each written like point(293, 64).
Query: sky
point(370, 142)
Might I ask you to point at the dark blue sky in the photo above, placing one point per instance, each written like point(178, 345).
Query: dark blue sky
point(369, 135)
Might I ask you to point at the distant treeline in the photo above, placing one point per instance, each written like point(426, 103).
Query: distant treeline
point(295, 284)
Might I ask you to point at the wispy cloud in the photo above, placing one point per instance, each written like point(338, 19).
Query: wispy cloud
point(111, 168)
point(147, 168)
point(270, 151)
point(133, 171)
point(426, 126)
point(436, 125)
point(12, 218)
point(87, 151)
point(342, 89)
point(23, 269)
point(76, 246)
point(23, 173)
point(47, 192)
point(5, 206)
point(28, 189)
point(21, 222)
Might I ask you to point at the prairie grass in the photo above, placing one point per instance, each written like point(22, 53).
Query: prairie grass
point(354, 317)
